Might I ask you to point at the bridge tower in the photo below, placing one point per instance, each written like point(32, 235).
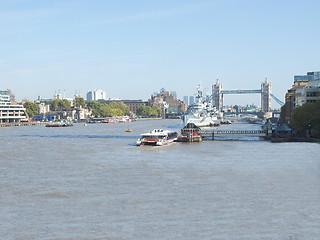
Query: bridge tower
point(266, 96)
point(217, 95)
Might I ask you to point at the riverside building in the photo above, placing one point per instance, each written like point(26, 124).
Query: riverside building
point(305, 89)
point(10, 113)
point(169, 98)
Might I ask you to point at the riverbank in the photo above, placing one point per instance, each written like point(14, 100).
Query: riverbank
point(21, 124)
point(143, 119)
point(295, 139)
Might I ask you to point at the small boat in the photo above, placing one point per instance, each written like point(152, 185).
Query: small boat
point(124, 119)
point(157, 137)
point(128, 130)
point(112, 120)
point(61, 123)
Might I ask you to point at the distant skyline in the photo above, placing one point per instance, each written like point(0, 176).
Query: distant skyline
point(131, 49)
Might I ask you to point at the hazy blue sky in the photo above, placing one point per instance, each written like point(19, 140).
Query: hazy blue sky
point(132, 48)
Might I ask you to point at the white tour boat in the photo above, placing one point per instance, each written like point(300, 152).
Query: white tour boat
point(157, 137)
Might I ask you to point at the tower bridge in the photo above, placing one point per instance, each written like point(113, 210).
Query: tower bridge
point(240, 91)
point(265, 91)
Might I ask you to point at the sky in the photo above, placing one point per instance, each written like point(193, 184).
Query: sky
point(131, 49)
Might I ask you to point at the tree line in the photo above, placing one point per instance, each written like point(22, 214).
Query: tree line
point(108, 110)
point(31, 109)
point(98, 109)
point(147, 111)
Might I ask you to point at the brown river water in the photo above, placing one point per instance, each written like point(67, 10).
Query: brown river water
point(92, 182)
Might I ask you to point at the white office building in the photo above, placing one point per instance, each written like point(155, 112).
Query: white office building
point(96, 95)
point(10, 113)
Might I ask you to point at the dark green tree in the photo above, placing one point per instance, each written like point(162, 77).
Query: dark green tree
point(66, 104)
point(79, 101)
point(116, 112)
point(124, 108)
point(283, 113)
point(93, 104)
point(307, 117)
point(59, 104)
point(98, 109)
point(31, 109)
point(157, 111)
point(148, 111)
point(108, 110)
point(142, 111)
point(54, 104)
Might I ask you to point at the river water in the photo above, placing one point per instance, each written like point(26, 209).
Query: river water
point(92, 182)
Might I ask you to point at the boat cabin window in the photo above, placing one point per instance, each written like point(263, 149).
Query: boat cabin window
point(153, 136)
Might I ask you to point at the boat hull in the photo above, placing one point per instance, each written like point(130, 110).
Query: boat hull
point(59, 124)
point(147, 142)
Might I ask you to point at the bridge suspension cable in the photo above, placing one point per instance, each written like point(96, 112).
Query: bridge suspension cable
point(277, 100)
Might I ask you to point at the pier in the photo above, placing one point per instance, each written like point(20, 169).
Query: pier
point(212, 133)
